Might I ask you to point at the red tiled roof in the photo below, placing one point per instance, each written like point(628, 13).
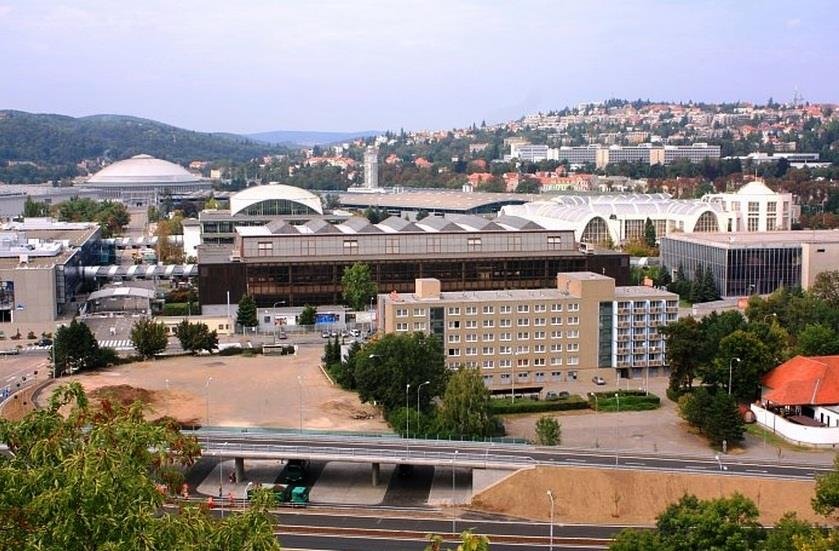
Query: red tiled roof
point(803, 381)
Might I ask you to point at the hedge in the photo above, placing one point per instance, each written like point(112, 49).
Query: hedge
point(501, 406)
point(632, 400)
point(181, 309)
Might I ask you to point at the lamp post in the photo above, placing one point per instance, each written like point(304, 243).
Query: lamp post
point(407, 416)
point(300, 400)
point(418, 402)
point(207, 387)
point(596, 411)
point(730, 367)
point(454, 518)
point(167, 398)
point(551, 497)
point(273, 315)
point(618, 398)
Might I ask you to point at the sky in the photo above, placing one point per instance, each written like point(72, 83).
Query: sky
point(341, 65)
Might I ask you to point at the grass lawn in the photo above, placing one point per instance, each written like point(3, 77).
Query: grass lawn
point(773, 439)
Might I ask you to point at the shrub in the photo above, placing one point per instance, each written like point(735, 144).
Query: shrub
point(502, 406)
point(230, 351)
point(548, 431)
point(31, 335)
point(630, 400)
point(181, 309)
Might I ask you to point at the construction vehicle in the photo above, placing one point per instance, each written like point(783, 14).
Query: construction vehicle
point(295, 495)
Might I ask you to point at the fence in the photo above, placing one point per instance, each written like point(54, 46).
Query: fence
point(795, 433)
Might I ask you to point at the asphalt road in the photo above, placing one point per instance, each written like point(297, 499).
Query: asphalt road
point(291, 542)
point(396, 449)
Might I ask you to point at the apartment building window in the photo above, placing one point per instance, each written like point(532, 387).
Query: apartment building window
point(573, 360)
point(473, 244)
point(434, 244)
point(505, 309)
point(539, 362)
point(505, 378)
point(505, 322)
point(523, 322)
point(454, 324)
point(771, 224)
point(573, 334)
point(505, 337)
point(488, 350)
point(392, 245)
point(265, 248)
point(453, 311)
point(539, 335)
point(401, 326)
point(556, 347)
point(574, 307)
point(308, 247)
point(522, 362)
point(488, 309)
point(540, 375)
point(419, 312)
point(489, 323)
point(487, 337)
point(419, 326)
point(471, 351)
point(573, 320)
point(523, 308)
point(572, 375)
point(540, 307)
point(556, 375)
point(523, 336)
point(471, 310)
point(488, 364)
point(554, 242)
point(471, 324)
point(572, 347)
point(471, 364)
point(556, 307)
point(539, 348)
point(505, 350)
point(556, 334)
point(350, 246)
point(454, 338)
point(556, 320)
point(454, 352)
point(505, 363)
point(555, 361)
point(401, 312)
point(471, 337)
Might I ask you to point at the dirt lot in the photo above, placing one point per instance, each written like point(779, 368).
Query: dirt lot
point(241, 392)
point(632, 497)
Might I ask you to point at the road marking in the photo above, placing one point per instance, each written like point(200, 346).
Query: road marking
point(701, 467)
point(573, 460)
point(756, 471)
point(635, 464)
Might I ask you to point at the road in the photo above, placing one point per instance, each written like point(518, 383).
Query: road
point(465, 454)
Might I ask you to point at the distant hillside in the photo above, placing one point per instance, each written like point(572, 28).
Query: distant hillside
point(302, 137)
point(54, 140)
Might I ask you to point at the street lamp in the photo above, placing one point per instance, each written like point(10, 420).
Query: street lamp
point(418, 402)
point(730, 365)
point(551, 497)
point(168, 398)
point(274, 316)
point(454, 518)
point(618, 398)
point(300, 400)
point(596, 411)
point(207, 387)
point(407, 415)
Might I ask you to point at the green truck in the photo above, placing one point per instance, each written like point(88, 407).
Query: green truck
point(295, 495)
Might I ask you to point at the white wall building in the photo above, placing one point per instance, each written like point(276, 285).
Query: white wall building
point(756, 208)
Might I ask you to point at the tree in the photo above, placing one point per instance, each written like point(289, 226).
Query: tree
point(422, 213)
point(358, 286)
point(818, 340)
point(527, 185)
point(746, 358)
point(709, 290)
point(465, 408)
point(386, 365)
point(74, 349)
point(35, 209)
point(168, 251)
point(548, 431)
point(97, 479)
point(722, 421)
point(725, 523)
point(681, 338)
point(148, 337)
point(649, 233)
point(195, 337)
point(468, 542)
point(787, 532)
point(826, 500)
point(826, 287)
point(307, 316)
point(246, 316)
point(697, 293)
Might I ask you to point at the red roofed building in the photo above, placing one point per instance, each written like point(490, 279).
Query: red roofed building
point(421, 162)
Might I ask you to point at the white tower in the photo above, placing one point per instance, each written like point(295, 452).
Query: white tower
point(371, 167)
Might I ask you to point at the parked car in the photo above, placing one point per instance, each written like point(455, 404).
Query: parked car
point(282, 335)
point(324, 334)
point(43, 342)
point(600, 381)
point(551, 395)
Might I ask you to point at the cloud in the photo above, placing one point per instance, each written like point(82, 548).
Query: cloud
point(5, 10)
point(793, 23)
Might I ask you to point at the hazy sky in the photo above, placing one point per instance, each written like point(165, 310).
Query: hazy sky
point(251, 65)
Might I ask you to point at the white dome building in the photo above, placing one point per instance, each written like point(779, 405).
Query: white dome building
point(756, 208)
point(274, 200)
point(143, 180)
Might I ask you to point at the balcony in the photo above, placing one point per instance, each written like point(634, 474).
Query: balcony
point(672, 310)
point(623, 338)
point(624, 364)
point(639, 337)
point(655, 310)
point(639, 310)
point(639, 324)
point(654, 363)
point(623, 324)
point(654, 350)
point(623, 311)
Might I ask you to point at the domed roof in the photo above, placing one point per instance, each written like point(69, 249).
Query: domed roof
point(756, 187)
point(256, 194)
point(143, 169)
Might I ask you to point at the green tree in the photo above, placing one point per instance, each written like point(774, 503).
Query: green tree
point(723, 421)
point(385, 366)
point(465, 408)
point(527, 185)
point(35, 209)
point(631, 539)
point(358, 286)
point(74, 349)
point(749, 359)
point(246, 316)
point(818, 340)
point(548, 431)
point(195, 337)
point(148, 337)
point(422, 213)
point(681, 338)
point(826, 287)
point(728, 524)
point(96, 479)
point(468, 542)
point(697, 290)
point(826, 500)
point(786, 532)
point(709, 290)
point(649, 233)
point(307, 316)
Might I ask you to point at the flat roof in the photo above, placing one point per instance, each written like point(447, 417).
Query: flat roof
point(432, 200)
point(478, 296)
point(641, 291)
point(754, 239)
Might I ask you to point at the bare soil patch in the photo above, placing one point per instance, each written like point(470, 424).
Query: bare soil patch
point(611, 496)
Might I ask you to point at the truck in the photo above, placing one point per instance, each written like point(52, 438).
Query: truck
point(296, 495)
point(294, 471)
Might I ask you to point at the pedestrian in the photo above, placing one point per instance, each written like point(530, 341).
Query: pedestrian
point(185, 490)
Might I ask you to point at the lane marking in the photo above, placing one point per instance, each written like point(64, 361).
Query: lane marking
point(761, 471)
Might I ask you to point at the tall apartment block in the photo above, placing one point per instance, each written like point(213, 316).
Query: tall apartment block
point(541, 339)
point(371, 167)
